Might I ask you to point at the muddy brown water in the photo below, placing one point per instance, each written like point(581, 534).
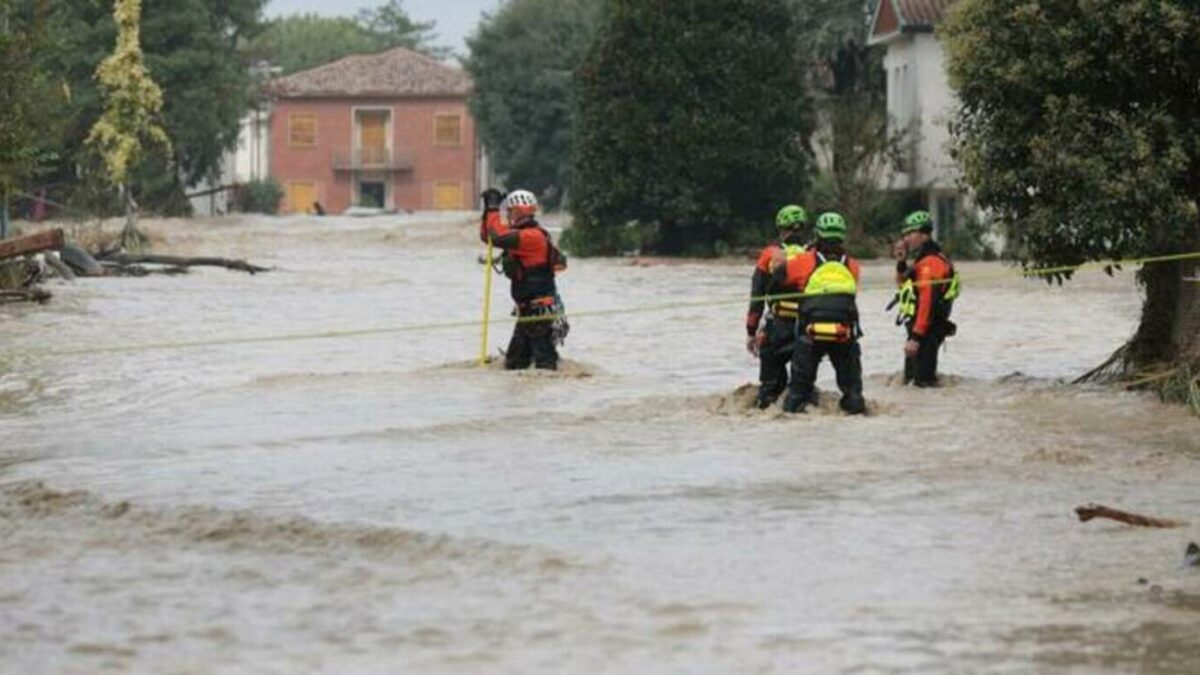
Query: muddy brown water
point(377, 504)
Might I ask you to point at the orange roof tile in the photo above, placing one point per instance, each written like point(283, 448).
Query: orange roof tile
point(397, 72)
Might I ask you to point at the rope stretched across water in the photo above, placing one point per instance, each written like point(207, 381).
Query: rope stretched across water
point(586, 314)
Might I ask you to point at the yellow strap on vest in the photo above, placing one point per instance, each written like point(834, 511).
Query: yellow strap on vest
point(953, 289)
point(908, 300)
point(832, 277)
point(786, 309)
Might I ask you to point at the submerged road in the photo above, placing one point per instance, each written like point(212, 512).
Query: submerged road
point(377, 504)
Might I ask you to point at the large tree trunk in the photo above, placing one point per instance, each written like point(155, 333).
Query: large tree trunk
point(1164, 354)
point(1185, 332)
point(1152, 344)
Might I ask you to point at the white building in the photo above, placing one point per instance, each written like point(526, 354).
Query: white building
point(248, 161)
point(920, 101)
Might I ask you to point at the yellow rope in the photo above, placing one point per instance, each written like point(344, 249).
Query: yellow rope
point(425, 327)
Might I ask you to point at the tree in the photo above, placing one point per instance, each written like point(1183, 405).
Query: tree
point(133, 103)
point(1080, 130)
point(29, 99)
point(302, 41)
point(391, 26)
point(522, 60)
point(192, 47)
point(856, 144)
point(694, 124)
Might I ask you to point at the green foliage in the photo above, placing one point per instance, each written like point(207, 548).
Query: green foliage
point(260, 196)
point(192, 51)
point(874, 221)
point(1075, 131)
point(831, 35)
point(522, 59)
point(694, 123)
point(28, 98)
point(191, 48)
point(856, 146)
point(1080, 131)
point(302, 41)
point(391, 26)
point(133, 101)
point(967, 240)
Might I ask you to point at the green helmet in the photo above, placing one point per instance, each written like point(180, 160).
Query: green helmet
point(917, 220)
point(790, 217)
point(831, 226)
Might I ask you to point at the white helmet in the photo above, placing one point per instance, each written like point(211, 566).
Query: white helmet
point(523, 198)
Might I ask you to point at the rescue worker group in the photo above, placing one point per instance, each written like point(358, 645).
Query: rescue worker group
point(803, 300)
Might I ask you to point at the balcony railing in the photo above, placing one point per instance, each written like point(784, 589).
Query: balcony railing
point(373, 159)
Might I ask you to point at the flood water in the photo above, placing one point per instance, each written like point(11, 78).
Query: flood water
point(173, 499)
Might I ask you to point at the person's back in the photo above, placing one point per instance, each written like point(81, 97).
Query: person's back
point(774, 341)
point(828, 324)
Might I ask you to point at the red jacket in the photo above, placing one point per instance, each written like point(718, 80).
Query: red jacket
point(795, 274)
point(530, 247)
point(929, 273)
point(760, 284)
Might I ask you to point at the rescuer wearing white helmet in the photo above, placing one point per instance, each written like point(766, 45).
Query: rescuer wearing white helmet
point(531, 261)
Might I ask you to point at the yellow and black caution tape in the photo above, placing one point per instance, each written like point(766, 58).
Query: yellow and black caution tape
point(622, 311)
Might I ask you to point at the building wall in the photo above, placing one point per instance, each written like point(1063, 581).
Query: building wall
point(920, 100)
point(936, 106)
point(411, 134)
point(252, 156)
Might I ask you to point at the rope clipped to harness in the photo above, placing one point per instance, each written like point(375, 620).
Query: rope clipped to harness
point(561, 327)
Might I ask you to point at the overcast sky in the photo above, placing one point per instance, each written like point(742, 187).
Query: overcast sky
point(455, 18)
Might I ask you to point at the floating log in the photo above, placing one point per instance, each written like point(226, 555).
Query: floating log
point(177, 261)
point(81, 261)
point(48, 240)
point(1091, 511)
point(64, 270)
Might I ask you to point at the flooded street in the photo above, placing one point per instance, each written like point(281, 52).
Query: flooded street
point(374, 503)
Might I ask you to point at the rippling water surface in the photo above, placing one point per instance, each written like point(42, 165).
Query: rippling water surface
point(377, 504)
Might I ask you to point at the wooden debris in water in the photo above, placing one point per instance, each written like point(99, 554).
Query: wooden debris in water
point(1091, 511)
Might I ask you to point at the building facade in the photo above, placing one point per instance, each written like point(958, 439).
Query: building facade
point(387, 131)
point(920, 102)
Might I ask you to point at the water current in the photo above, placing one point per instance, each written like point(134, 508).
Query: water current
point(377, 504)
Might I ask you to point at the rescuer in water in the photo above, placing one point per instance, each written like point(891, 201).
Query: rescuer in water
point(531, 261)
point(774, 338)
point(828, 323)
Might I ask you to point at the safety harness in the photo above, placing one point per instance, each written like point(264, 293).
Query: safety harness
point(788, 309)
point(906, 297)
point(828, 309)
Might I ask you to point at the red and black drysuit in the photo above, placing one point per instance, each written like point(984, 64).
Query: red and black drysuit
point(778, 331)
point(530, 260)
point(930, 325)
point(846, 356)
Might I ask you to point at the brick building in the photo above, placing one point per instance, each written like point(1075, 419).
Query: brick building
point(388, 130)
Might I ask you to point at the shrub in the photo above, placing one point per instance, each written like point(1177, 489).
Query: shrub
point(260, 196)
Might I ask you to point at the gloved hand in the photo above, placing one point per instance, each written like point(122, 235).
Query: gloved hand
point(752, 345)
point(912, 348)
point(492, 199)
